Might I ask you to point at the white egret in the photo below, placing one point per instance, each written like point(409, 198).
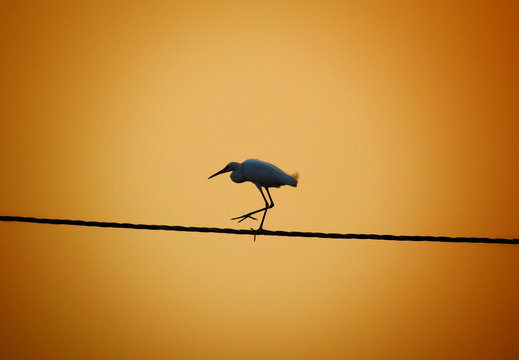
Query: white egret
point(261, 174)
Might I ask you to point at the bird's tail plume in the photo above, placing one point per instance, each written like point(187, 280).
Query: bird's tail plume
point(295, 177)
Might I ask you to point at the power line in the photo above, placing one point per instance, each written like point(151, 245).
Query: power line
point(261, 232)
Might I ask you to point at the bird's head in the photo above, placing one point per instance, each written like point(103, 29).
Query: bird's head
point(229, 167)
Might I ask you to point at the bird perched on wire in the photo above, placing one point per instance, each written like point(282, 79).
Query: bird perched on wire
point(261, 174)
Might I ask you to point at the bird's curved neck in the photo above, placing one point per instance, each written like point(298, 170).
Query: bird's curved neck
point(237, 175)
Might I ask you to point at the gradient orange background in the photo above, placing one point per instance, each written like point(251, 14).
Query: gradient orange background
point(400, 117)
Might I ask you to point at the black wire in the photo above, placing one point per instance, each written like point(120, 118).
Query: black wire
point(261, 232)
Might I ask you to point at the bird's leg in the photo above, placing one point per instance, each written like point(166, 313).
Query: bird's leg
point(248, 215)
point(268, 207)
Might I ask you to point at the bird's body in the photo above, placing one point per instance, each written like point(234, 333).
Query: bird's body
point(261, 174)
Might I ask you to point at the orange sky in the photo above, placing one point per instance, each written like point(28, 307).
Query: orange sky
point(401, 118)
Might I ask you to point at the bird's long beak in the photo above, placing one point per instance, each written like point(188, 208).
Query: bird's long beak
point(218, 173)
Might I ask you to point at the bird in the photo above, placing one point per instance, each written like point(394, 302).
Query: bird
point(263, 175)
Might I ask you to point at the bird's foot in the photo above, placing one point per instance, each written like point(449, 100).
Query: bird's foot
point(256, 232)
point(249, 215)
point(243, 217)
